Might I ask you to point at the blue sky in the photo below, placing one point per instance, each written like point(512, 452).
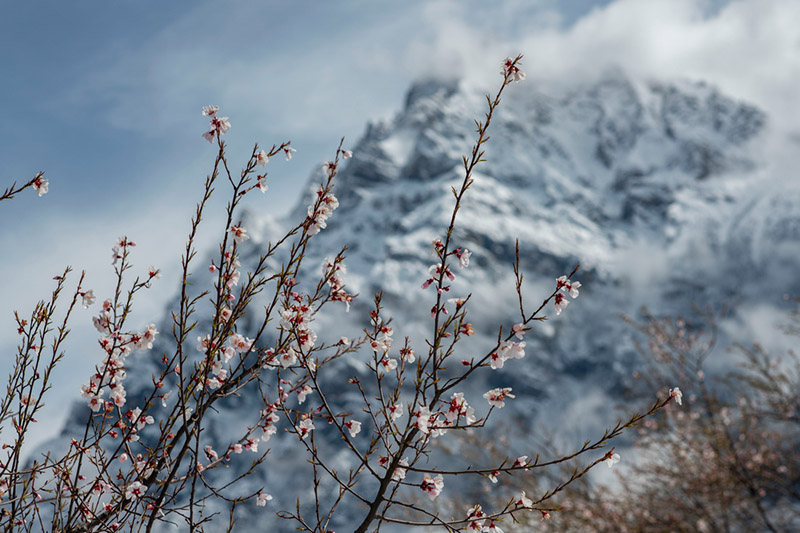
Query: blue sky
point(105, 96)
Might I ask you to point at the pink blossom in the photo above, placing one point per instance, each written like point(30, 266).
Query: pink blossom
point(496, 360)
point(88, 298)
point(407, 354)
point(463, 257)
point(41, 186)
point(353, 426)
point(677, 394)
point(511, 72)
point(262, 183)
point(475, 515)
point(518, 330)
point(496, 397)
point(399, 473)
point(118, 395)
point(261, 158)
point(135, 490)
point(303, 392)
point(432, 486)
point(347, 154)
point(220, 124)
point(241, 343)
point(423, 416)
point(304, 427)
point(288, 358)
point(95, 403)
point(611, 458)
point(561, 303)
point(262, 499)
point(395, 411)
point(228, 353)
point(153, 272)
point(515, 350)
point(388, 364)
point(210, 453)
point(239, 234)
point(268, 431)
point(459, 409)
point(571, 287)
point(289, 151)
point(524, 501)
point(147, 337)
point(204, 344)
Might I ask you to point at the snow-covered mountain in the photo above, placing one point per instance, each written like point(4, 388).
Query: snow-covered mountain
point(657, 189)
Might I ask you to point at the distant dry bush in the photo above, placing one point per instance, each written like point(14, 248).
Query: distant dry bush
point(728, 461)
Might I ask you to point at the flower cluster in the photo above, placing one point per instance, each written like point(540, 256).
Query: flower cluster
point(117, 347)
point(296, 318)
point(458, 413)
point(212, 367)
point(334, 272)
point(496, 397)
point(459, 410)
point(476, 518)
point(219, 125)
point(120, 249)
point(381, 341)
point(511, 72)
point(432, 486)
point(305, 426)
point(564, 285)
point(269, 419)
point(508, 349)
point(399, 473)
point(322, 208)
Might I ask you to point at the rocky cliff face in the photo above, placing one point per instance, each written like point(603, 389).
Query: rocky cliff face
point(656, 189)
